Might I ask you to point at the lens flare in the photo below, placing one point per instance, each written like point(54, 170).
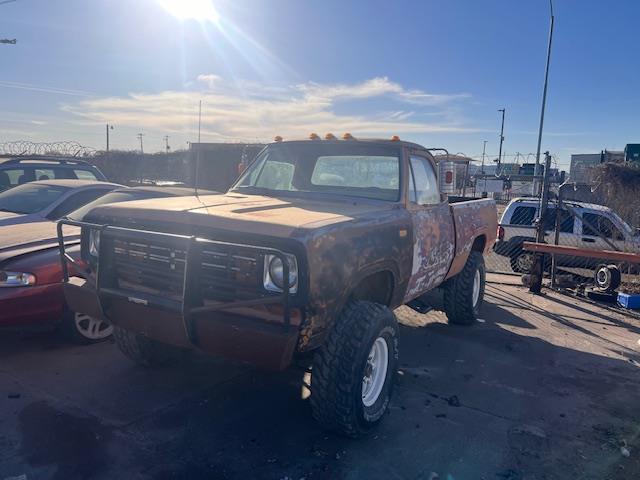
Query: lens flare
point(202, 10)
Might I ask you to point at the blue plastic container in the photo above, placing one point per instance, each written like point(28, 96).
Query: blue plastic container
point(628, 300)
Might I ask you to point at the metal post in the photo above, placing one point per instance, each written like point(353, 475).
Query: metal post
point(501, 141)
point(199, 118)
point(544, 95)
point(538, 265)
point(107, 138)
point(556, 236)
point(484, 149)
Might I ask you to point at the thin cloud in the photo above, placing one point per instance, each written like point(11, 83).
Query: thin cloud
point(246, 110)
point(44, 89)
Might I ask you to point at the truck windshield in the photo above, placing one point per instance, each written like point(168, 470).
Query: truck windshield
point(337, 168)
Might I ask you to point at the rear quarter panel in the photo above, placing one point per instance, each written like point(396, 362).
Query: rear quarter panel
point(472, 219)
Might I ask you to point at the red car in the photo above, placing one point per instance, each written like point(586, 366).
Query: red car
point(31, 274)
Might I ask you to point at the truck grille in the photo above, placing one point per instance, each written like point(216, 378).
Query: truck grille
point(222, 272)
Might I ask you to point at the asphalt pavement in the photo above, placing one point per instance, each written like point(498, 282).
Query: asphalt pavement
point(543, 387)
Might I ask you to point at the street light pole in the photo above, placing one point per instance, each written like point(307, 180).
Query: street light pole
point(544, 98)
point(108, 136)
point(501, 141)
point(484, 148)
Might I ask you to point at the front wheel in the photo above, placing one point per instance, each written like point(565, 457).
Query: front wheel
point(142, 350)
point(354, 371)
point(84, 329)
point(464, 293)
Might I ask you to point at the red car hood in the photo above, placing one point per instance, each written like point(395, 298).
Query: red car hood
point(25, 238)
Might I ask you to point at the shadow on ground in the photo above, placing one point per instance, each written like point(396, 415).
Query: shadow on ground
point(504, 399)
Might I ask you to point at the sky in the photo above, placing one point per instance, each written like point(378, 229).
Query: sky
point(431, 71)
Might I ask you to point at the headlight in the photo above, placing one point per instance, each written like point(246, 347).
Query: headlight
point(16, 279)
point(94, 242)
point(274, 273)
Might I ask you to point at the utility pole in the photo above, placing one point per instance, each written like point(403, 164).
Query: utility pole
point(484, 148)
point(544, 95)
point(501, 141)
point(166, 144)
point(199, 119)
point(140, 135)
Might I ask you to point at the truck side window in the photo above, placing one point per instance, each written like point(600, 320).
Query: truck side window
point(605, 227)
point(426, 183)
point(523, 216)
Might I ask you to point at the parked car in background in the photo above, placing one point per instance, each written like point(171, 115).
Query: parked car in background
point(17, 171)
point(30, 272)
point(48, 199)
point(594, 227)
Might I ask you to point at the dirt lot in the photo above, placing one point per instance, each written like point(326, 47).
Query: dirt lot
point(542, 388)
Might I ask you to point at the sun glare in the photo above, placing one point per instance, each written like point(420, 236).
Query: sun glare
point(202, 10)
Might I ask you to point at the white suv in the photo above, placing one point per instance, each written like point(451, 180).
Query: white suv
point(517, 226)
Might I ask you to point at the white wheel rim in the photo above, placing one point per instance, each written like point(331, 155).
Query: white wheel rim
point(602, 276)
point(525, 262)
point(92, 328)
point(375, 372)
point(476, 288)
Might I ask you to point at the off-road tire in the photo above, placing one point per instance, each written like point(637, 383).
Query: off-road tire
point(142, 350)
point(339, 368)
point(458, 292)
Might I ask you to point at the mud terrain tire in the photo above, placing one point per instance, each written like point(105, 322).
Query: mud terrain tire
point(143, 350)
point(350, 384)
point(461, 304)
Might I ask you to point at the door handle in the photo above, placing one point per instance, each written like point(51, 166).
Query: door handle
point(588, 240)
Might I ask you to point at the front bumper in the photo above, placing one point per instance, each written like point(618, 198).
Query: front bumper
point(261, 331)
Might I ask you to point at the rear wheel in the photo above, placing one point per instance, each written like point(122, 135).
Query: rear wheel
point(522, 261)
point(464, 293)
point(353, 372)
point(142, 350)
point(84, 329)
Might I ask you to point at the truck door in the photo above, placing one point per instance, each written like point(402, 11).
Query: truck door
point(433, 234)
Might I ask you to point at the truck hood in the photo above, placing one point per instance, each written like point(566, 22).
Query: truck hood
point(26, 238)
point(240, 212)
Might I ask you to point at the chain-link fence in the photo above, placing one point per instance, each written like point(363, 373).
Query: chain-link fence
point(603, 215)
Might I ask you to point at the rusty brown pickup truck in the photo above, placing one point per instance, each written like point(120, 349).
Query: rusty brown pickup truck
point(304, 259)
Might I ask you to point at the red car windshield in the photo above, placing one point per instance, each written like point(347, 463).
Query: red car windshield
point(30, 198)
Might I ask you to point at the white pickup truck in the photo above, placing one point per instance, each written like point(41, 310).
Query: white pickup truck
point(517, 226)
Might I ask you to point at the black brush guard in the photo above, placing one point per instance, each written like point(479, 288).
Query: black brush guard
point(192, 301)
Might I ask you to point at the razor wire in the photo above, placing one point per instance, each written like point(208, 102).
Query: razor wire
point(62, 149)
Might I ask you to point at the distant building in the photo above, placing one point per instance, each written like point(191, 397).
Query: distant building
point(582, 164)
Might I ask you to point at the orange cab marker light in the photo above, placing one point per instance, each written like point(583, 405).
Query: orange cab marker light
point(348, 136)
point(314, 136)
point(395, 138)
point(329, 136)
point(277, 138)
